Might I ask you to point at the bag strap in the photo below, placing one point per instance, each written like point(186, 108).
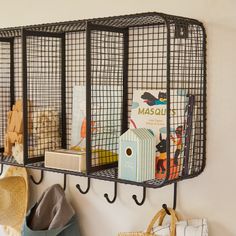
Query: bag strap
point(160, 215)
point(154, 219)
point(163, 216)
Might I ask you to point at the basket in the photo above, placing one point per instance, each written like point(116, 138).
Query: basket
point(160, 217)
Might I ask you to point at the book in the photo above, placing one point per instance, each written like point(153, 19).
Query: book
point(192, 162)
point(66, 160)
point(106, 117)
point(149, 110)
point(78, 129)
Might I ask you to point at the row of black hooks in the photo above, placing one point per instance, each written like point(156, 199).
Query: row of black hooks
point(86, 190)
point(113, 199)
point(109, 199)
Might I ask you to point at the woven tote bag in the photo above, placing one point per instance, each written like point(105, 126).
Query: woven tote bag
point(158, 217)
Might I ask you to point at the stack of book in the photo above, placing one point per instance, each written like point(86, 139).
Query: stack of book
point(149, 110)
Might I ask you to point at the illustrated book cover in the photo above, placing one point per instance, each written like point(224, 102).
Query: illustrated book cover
point(149, 110)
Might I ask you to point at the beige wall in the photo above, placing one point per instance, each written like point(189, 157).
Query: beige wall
point(213, 193)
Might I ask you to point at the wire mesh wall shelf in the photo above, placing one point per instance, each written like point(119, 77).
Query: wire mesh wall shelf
point(107, 62)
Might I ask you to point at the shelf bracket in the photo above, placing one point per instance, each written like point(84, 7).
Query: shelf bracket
point(40, 180)
point(175, 196)
point(115, 194)
point(87, 189)
point(164, 206)
point(143, 200)
point(64, 186)
point(1, 171)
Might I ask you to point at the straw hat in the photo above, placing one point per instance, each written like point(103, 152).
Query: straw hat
point(13, 199)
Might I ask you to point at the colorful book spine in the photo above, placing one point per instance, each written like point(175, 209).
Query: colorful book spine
point(188, 134)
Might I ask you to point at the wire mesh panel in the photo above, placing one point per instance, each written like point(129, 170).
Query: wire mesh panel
point(44, 93)
point(147, 79)
point(147, 64)
point(6, 85)
point(105, 88)
point(187, 99)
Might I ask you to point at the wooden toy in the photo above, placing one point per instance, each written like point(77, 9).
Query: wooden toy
point(45, 130)
point(137, 155)
point(14, 133)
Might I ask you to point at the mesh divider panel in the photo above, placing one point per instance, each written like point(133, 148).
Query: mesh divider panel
point(147, 66)
point(44, 94)
point(5, 98)
point(75, 73)
point(106, 95)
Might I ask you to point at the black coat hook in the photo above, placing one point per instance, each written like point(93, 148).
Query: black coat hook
point(84, 191)
point(164, 206)
point(143, 200)
point(1, 171)
point(40, 180)
point(174, 200)
point(64, 186)
point(115, 194)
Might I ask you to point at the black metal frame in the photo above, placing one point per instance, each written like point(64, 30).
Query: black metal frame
point(9, 40)
point(61, 36)
point(180, 27)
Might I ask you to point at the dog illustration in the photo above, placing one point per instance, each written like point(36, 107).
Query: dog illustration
point(161, 147)
point(152, 100)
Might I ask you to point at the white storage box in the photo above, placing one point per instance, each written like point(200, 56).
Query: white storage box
point(66, 160)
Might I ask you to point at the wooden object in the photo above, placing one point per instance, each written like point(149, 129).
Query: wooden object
point(66, 160)
point(137, 155)
point(14, 129)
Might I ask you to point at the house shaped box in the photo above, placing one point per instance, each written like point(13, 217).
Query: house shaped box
point(137, 155)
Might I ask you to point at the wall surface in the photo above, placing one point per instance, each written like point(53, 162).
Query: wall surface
point(213, 193)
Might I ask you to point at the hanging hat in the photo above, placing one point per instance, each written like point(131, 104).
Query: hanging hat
point(13, 199)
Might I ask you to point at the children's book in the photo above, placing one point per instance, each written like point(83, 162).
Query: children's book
point(78, 134)
point(149, 110)
point(105, 116)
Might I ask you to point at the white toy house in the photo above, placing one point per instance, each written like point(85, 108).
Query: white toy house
point(137, 155)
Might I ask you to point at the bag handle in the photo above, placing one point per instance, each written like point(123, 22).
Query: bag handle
point(160, 215)
point(163, 216)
